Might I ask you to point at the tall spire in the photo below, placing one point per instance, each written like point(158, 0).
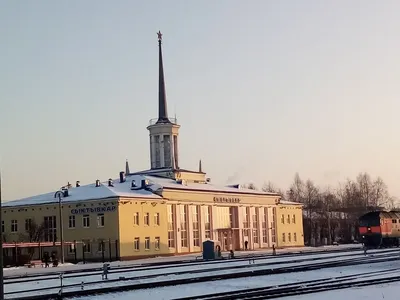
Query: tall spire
point(200, 168)
point(127, 168)
point(162, 99)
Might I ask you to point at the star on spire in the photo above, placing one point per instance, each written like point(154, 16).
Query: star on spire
point(159, 34)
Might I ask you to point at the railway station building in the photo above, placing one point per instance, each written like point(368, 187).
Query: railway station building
point(165, 210)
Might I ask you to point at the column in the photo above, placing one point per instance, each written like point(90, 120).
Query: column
point(240, 226)
point(251, 240)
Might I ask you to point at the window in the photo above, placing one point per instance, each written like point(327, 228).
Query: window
point(283, 219)
point(87, 247)
point(255, 219)
point(171, 233)
point(288, 219)
point(294, 219)
point(146, 243)
point(50, 229)
point(283, 238)
point(146, 219)
point(136, 244)
point(207, 223)
point(71, 222)
point(157, 154)
point(255, 236)
point(157, 219)
point(157, 243)
point(289, 237)
point(167, 150)
point(264, 226)
point(100, 220)
point(14, 225)
point(86, 221)
point(246, 222)
point(136, 218)
point(195, 219)
point(184, 234)
point(295, 237)
point(28, 224)
point(265, 236)
point(100, 246)
point(273, 225)
point(71, 248)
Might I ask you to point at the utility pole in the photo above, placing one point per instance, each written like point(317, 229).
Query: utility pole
point(59, 195)
point(329, 225)
point(1, 246)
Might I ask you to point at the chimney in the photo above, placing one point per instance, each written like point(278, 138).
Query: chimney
point(97, 183)
point(69, 185)
point(110, 182)
point(78, 183)
point(122, 177)
point(208, 179)
point(144, 184)
point(65, 192)
point(133, 185)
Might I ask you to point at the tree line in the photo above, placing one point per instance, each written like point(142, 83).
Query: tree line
point(331, 214)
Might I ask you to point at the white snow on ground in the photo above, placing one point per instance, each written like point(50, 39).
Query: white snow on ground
point(66, 267)
point(285, 262)
point(389, 291)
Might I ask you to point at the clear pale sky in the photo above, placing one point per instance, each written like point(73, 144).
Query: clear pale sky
point(262, 89)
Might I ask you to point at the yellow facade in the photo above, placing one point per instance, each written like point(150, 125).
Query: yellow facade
point(290, 226)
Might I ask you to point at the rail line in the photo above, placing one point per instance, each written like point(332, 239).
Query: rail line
point(131, 270)
point(177, 263)
point(165, 283)
point(297, 289)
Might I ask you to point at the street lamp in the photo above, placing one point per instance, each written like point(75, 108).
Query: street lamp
point(59, 195)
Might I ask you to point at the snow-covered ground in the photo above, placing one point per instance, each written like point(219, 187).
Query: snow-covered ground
point(388, 291)
point(23, 270)
point(258, 264)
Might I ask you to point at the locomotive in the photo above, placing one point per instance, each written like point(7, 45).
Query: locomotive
point(380, 229)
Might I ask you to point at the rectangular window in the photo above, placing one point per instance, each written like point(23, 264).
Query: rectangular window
point(136, 218)
point(295, 237)
point(86, 221)
point(246, 217)
point(184, 235)
point(28, 224)
point(265, 226)
point(146, 243)
point(273, 226)
point(157, 151)
point(136, 244)
point(71, 222)
point(87, 246)
point(146, 219)
point(255, 219)
point(50, 229)
point(207, 222)
point(100, 220)
point(288, 219)
point(196, 225)
point(283, 219)
point(289, 237)
point(157, 219)
point(100, 246)
point(171, 232)
point(167, 150)
point(294, 219)
point(14, 226)
point(265, 236)
point(283, 238)
point(255, 236)
point(157, 243)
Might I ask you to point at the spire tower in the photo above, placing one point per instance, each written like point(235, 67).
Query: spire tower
point(127, 171)
point(163, 131)
point(162, 98)
point(200, 167)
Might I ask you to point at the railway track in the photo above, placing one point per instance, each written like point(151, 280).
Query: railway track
point(122, 284)
point(305, 287)
point(180, 263)
point(234, 264)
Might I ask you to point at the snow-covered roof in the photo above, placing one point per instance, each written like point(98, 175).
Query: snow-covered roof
point(103, 191)
point(289, 202)
point(88, 192)
point(204, 187)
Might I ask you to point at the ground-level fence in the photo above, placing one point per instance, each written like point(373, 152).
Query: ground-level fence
point(19, 254)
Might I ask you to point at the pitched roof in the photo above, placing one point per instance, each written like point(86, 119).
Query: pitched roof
point(87, 192)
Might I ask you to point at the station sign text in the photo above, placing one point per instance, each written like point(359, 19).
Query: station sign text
point(226, 199)
point(99, 209)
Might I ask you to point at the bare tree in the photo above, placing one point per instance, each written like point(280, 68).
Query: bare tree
point(251, 186)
